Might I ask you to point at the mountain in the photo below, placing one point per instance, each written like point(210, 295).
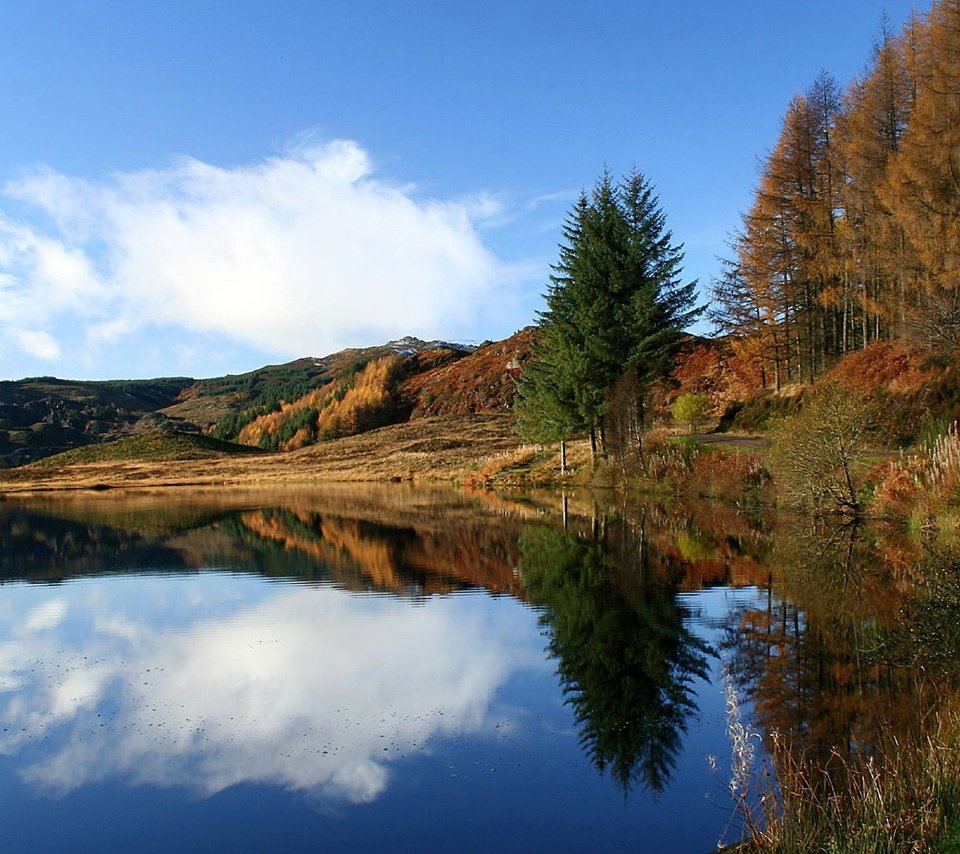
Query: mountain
point(44, 415)
point(274, 407)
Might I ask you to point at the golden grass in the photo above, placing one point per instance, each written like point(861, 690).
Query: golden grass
point(429, 449)
point(905, 801)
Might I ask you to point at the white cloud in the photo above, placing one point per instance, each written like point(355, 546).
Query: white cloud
point(299, 254)
point(49, 615)
point(33, 342)
point(182, 699)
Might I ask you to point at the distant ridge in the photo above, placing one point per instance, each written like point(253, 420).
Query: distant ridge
point(408, 345)
point(44, 416)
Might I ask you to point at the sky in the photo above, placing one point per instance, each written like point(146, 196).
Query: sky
point(197, 188)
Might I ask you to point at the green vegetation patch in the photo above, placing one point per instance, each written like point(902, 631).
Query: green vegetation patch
point(154, 446)
point(760, 411)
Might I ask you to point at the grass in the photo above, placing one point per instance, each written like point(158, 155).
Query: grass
point(907, 799)
point(159, 446)
point(430, 449)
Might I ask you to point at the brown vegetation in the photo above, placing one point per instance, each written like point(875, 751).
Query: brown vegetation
point(484, 381)
point(715, 369)
point(422, 450)
point(852, 236)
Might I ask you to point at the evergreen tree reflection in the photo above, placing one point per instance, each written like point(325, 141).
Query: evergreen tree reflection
point(626, 661)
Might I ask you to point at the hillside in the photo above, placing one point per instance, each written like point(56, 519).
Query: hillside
point(425, 449)
point(916, 390)
point(44, 415)
point(156, 445)
point(297, 407)
point(277, 407)
point(484, 381)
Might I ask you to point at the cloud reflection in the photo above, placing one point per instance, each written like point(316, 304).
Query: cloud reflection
point(310, 689)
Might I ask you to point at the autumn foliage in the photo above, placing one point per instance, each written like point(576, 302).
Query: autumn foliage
point(350, 405)
point(392, 389)
point(853, 236)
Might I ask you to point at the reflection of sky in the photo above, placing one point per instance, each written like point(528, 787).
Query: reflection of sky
point(213, 680)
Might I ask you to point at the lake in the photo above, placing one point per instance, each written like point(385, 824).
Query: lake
point(412, 669)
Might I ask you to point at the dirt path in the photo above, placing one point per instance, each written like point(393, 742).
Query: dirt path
point(729, 440)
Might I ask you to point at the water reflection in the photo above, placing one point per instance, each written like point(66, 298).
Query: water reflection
point(175, 659)
point(304, 688)
point(626, 659)
point(829, 654)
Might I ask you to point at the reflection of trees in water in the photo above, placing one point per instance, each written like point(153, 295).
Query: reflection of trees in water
point(361, 554)
point(40, 547)
point(279, 542)
point(813, 656)
point(626, 661)
point(928, 635)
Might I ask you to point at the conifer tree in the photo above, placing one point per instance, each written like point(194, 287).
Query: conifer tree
point(854, 232)
point(874, 120)
point(922, 190)
point(615, 304)
point(546, 400)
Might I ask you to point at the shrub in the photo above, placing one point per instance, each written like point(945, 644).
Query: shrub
point(814, 452)
point(692, 409)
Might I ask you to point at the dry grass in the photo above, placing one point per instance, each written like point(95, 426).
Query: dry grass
point(430, 449)
point(904, 800)
point(924, 488)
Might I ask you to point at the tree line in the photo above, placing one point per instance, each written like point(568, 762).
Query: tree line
point(853, 235)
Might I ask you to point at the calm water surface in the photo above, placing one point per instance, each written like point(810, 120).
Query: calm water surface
point(402, 670)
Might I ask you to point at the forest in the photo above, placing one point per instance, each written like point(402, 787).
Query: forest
point(853, 235)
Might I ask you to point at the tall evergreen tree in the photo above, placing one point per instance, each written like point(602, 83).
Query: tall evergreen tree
point(615, 305)
point(547, 403)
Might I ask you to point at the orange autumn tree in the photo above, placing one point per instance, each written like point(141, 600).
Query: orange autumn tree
point(354, 403)
point(922, 186)
point(853, 235)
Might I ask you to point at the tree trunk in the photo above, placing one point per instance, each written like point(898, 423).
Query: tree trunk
point(639, 431)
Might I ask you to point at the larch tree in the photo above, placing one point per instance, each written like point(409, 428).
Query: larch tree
point(788, 258)
point(922, 188)
point(740, 311)
point(874, 120)
point(854, 231)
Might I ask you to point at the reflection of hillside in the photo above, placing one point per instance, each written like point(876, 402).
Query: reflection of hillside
point(397, 538)
point(169, 511)
point(44, 548)
point(364, 554)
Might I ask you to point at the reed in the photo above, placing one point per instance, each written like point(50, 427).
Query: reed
point(904, 800)
point(924, 488)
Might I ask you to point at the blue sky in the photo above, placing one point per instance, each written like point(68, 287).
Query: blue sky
point(199, 188)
